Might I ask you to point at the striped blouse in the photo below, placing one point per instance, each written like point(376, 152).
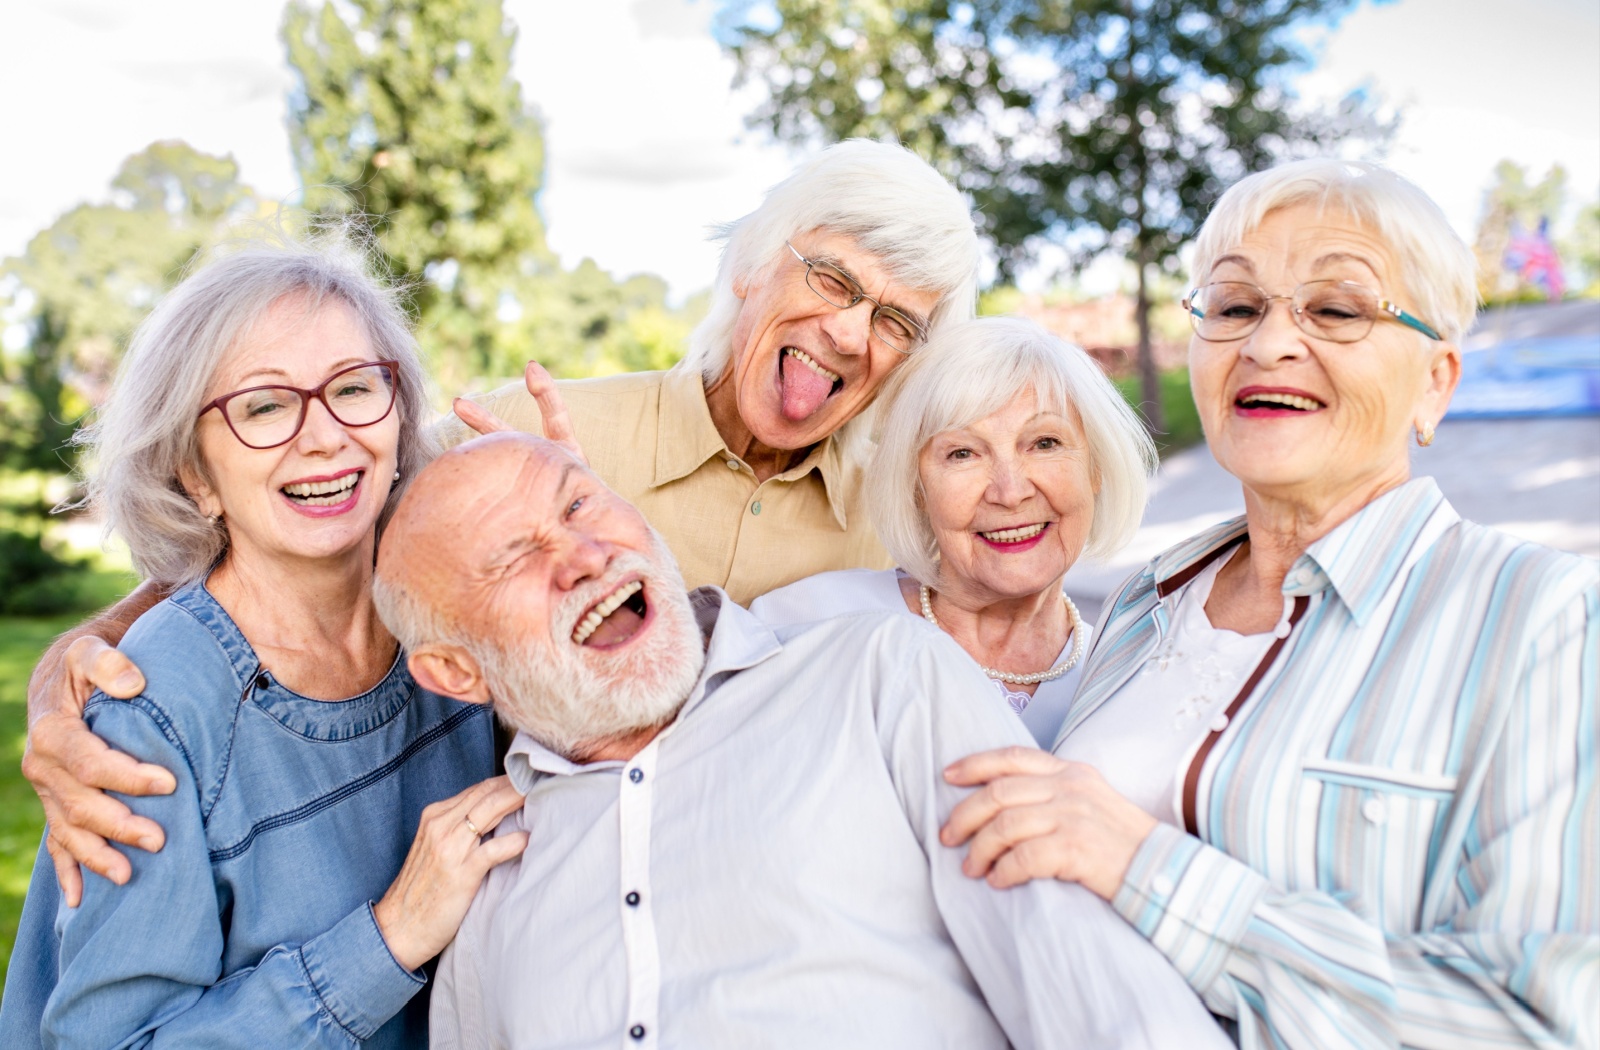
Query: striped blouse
point(1395, 838)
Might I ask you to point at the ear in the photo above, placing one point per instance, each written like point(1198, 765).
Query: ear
point(200, 491)
point(1444, 374)
point(449, 671)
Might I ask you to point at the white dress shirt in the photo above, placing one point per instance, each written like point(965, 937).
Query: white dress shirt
point(830, 594)
point(767, 873)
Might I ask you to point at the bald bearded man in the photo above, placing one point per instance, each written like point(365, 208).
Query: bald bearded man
point(734, 829)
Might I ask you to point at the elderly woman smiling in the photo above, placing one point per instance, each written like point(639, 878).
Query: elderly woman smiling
point(261, 423)
point(1346, 743)
point(1004, 455)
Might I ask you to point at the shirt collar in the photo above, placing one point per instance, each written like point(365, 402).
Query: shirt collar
point(735, 640)
point(686, 437)
point(1360, 558)
point(1368, 552)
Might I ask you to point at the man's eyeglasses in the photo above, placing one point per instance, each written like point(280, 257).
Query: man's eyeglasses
point(1338, 311)
point(837, 288)
point(269, 416)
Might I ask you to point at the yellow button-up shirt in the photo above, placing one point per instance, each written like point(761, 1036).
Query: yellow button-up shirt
point(649, 435)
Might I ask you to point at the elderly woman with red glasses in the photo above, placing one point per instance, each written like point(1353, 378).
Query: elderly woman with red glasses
point(1335, 758)
point(261, 429)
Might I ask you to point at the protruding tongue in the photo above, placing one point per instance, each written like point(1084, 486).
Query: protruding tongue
point(622, 624)
point(804, 391)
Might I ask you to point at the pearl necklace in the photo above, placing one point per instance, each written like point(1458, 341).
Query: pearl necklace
point(1022, 679)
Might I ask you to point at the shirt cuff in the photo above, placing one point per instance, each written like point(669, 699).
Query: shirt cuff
point(356, 976)
point(1193, 902)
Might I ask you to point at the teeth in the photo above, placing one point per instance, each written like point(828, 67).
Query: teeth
point(606, 607)
point(1291, 400)
point(330, 491)
point(807, 360)
point(1026, 532)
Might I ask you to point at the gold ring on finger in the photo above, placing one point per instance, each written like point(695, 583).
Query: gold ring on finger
point(472, 827)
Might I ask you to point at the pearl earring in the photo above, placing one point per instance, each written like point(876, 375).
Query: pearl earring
point(397, 474)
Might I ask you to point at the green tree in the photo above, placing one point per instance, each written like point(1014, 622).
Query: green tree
point(81, 286)
point(407, 109)
point(1513, 202)
point(1094, 124)
point(1581, 250)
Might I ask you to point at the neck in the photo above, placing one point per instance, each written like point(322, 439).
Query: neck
point(314, 604)
point(1284, 524)
point(723, 401)
point(619, 748)
point(1021, 634)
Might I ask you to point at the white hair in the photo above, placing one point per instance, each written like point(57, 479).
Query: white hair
point(972, 370)
point(889, 202)
point(1437, 266)
point(144, 436)
point(549, 693)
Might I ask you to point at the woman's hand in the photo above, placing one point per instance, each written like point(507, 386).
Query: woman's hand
point(72, 769)
point(425, 904)
point(1041, 817)
point(552, 410)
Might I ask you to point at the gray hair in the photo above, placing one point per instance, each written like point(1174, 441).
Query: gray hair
point(972, 370)
point(1436, 264)
point(885, 198)
point(145, 436)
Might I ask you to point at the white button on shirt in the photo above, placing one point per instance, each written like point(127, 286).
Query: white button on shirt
point(767, 873)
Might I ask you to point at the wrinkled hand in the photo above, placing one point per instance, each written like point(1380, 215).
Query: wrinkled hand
point(425, 904)
point(552, 408)
point(1041, 817)
point(71, 768)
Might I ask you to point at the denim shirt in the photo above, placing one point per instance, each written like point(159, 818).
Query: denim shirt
point(253, 926)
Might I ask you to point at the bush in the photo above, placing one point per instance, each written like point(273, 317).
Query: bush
point(34, 580)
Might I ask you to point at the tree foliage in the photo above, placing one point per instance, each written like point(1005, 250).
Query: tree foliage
point(82, 286)
point(1513, 204)
point(1094, 125)
point(407, 111)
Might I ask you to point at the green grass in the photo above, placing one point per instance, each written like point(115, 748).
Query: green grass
point(22, 639)
point(1183, 419)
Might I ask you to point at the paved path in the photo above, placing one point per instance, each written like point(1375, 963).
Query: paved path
point(1535, 478)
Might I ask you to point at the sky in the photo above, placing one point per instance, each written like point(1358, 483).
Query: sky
point(645, 138)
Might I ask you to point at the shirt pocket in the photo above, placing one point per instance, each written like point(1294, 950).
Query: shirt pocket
point(1377, 831)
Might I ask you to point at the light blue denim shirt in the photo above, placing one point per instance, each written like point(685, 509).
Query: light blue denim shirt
point(253, 926)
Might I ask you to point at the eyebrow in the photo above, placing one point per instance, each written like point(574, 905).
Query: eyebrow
point(337, 367)
point(1333, 258)
point(516, 544)
point(1237, 260)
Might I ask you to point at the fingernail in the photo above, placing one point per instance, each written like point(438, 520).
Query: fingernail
point(127, 680)
point(149, 843)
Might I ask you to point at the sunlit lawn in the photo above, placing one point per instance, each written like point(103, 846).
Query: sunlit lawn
point(21, 820)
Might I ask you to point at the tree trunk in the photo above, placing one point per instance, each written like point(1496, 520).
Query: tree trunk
point(1149, 376)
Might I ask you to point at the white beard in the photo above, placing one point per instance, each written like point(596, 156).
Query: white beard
point(556, 697)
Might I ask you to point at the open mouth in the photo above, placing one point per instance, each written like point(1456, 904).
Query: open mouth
point(805, 383)
point(1020, 534)
point(1276, 401)
point(328, 493)
point(613, 619)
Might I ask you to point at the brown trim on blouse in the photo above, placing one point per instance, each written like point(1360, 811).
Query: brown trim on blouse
point(1191, 779)
point(1166, 587)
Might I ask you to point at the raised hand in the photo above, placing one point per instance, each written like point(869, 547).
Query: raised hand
point(552, 408)
point(1037, 816)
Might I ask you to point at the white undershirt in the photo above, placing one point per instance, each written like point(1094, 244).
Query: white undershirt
point(1143, 738)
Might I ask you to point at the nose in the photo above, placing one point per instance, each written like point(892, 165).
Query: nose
point(1278, 338)
point(585, 559)
point(1009, 483)
point(320, 433)
point(850, 327)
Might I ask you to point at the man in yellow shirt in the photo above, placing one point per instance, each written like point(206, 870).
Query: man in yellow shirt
point(748, 455)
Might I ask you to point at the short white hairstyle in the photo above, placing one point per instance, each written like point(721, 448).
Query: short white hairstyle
point(887, 200)
point(1437, 267)
point(972, 370)
point(145, 434)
